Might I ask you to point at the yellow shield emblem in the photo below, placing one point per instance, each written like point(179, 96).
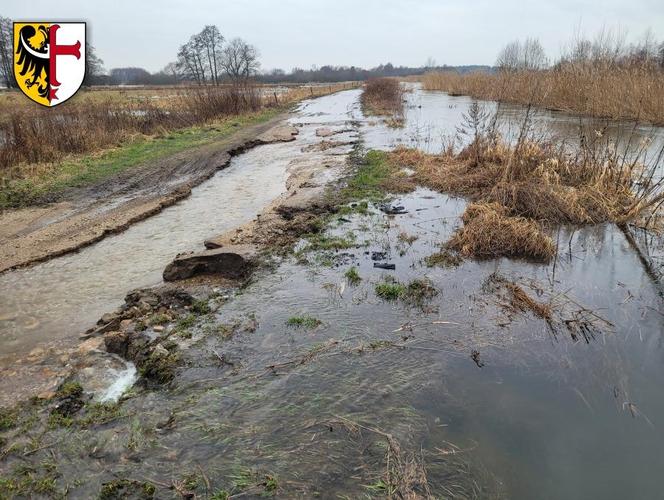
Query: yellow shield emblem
point(49, 60)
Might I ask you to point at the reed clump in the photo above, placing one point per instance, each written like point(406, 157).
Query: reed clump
point(489, 232)
point(519, 190)
point(384, 96)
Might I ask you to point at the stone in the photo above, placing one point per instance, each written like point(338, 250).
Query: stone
point(116, 343)
point(158, 328)
point(107, 318)
point(324, 132)
point(233, 261)
point(281, 133)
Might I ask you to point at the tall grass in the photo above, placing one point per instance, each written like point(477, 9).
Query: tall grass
point(383, 96)
point(630, 93)
point(603, 77)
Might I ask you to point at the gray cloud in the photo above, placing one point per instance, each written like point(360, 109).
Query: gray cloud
point(363, 33)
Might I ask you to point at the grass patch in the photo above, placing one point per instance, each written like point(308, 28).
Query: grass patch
point(125, 488)
point(353, 276)
point(419, 290)
point(323, 242)
point(443, 258)
point(8, 419)
point(372, 178)
point(489, 232)
point(390, 291)
point(308, 322)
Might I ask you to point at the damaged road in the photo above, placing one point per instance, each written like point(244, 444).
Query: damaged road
point(83, 216)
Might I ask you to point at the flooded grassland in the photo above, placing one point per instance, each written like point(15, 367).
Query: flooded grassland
point(367, 361)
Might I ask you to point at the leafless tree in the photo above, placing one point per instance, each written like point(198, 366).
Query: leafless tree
point(240, 60)
point(212, 40)
point(517, 56)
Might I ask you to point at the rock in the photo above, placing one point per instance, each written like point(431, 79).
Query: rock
point(324, 132)
point(383, 265)
point(91, 344)
point(388, 209)
point(233, 261)
point(378, 255)
point(117, 343)
point(160, 350)
point(158, 328)
point(281, 133)
point(144, 307)
point(107, 318)
point(125, 324)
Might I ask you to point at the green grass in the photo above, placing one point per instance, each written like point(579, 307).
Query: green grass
point(308, 322)
point(366, 183)
point(321, 242)
point(353, 276)
point(390, 291)
point(8, 419)
point(89, 169)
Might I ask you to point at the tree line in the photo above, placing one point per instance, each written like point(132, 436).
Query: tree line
point(607, 49)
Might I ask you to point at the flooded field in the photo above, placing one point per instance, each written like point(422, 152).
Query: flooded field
point(317, 381)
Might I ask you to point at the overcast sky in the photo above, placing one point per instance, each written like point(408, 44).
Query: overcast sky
point(363, 33)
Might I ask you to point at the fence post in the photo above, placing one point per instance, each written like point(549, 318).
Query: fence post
point(276, 100)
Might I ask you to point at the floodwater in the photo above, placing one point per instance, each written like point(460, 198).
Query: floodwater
point(61, 298)
point(569, 408)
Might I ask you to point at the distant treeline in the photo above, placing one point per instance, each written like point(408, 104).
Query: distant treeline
point(140, 76)
point(349, 73)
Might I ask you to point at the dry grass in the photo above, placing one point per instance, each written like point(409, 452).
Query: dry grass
point(519, 190)
point(539, 181)
point(384, 96)
point(489, 232)
point(630, 92)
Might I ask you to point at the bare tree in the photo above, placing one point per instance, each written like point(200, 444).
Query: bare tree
point(94, 66)
point(517, 56)
point(6, 50)
point(508, 57)
point(240, 60)
point(212, 40)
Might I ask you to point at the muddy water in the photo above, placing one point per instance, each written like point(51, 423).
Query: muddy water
point(61, 298)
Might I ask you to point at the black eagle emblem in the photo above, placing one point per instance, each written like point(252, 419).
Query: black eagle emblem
point(33, 60)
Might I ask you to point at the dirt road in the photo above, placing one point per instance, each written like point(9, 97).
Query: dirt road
point(86, 215)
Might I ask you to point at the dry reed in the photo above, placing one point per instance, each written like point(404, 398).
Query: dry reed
point(383, 96)
point(622, 93)
point(489, 232)
point(31, 135)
